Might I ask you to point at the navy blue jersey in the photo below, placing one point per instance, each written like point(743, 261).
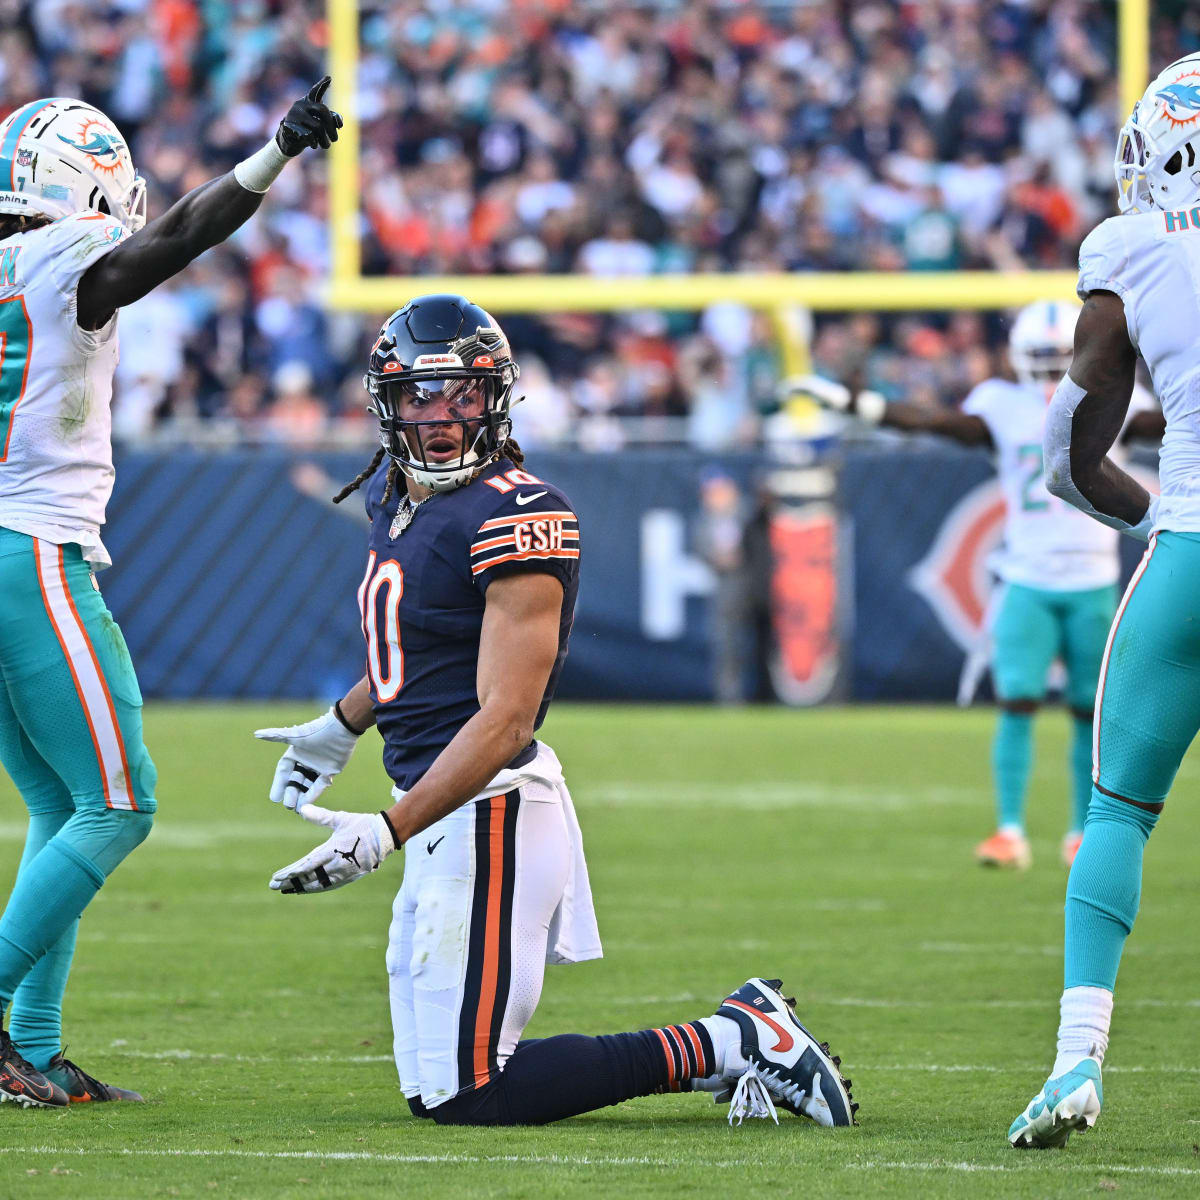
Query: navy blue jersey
point(423, 594)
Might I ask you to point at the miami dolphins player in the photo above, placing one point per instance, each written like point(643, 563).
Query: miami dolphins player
point(1139, 277)
point(1058, 571)
point(74, 249)
point(467, 604)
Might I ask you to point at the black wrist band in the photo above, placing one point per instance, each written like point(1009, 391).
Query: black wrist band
point(341, 716)
point(391, 829)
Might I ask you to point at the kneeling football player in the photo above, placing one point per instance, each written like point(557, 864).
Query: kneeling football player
point(467, 604)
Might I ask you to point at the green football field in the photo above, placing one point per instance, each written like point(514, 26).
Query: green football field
point(831, 848)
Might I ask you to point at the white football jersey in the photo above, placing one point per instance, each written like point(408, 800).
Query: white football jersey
point(1152, 261)
point(56, 471)
point(1047, 543)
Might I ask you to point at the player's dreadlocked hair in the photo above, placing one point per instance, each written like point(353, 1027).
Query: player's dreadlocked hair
point(362, 476)
point(11, 223)
point(510, 450)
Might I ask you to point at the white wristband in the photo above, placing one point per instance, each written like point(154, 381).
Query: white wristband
point(259, 171)
point(869, 407)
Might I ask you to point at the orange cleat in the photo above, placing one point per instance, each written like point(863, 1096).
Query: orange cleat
point(1004, 849)
point(1070, 847)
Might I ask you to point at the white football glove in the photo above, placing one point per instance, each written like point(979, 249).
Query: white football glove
point(866, 406)
point(359, 843)
point(316, 752)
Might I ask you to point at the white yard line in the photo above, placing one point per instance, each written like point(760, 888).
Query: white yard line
point(179, 1055)
point(1029, 1165)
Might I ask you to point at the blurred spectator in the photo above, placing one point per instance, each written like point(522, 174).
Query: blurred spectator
point(719, 541)
point(618, 138)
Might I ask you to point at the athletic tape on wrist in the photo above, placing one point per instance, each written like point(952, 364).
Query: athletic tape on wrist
point(1056, 449)
point(260, 170)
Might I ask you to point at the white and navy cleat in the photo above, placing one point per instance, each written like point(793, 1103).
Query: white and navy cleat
point(1069, 1102)
point(784, 1064)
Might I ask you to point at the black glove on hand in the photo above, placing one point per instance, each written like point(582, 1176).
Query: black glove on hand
point(308, 124)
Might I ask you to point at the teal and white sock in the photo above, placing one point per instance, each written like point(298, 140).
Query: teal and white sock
point(1103, 891)
point(36, 1016)
point(1012, 760)
point(1085, 1014)
point(1081, 772)
point(51, 891)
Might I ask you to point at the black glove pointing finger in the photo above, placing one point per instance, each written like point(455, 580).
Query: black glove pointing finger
point(309, 125)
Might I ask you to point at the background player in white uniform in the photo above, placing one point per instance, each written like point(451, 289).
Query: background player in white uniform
point(1058, 570)
point(1139, 276)
point(73, 251)
point(467, 604)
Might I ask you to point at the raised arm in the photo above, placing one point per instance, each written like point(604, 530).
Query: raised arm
point(1085, 418)
point(872, 409)
point(206, 216)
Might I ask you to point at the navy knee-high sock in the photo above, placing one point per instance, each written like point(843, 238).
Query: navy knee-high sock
point(553, 1078)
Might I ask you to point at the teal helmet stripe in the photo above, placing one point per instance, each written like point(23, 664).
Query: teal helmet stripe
point(17, 125)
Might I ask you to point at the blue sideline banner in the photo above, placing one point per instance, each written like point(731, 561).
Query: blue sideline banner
point(234, 577)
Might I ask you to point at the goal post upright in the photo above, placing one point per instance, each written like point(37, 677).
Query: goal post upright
point(777, 293)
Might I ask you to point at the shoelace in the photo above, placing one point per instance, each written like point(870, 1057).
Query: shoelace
point(8, 1050)
point(751, 1098)
point(90, 1085)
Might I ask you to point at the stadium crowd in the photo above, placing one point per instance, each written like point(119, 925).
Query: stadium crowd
point(600, 138)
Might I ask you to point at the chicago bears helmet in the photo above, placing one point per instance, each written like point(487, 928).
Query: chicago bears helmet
point(441, 346)
point(60, 156)
point(1157, 164)
point(1041, 342)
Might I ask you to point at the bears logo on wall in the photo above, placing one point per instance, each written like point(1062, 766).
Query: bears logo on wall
point(954, 576)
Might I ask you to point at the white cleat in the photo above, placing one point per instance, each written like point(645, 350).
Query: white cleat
point(784, 1064)
point(1070, 1102)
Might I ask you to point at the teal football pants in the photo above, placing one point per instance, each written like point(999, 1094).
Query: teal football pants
point(1147, 714)
point(1034, 627)
point(71, 740)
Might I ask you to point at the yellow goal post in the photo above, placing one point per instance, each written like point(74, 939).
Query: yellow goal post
point(784, 295)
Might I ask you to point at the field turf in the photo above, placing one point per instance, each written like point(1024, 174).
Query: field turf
point(832, 848)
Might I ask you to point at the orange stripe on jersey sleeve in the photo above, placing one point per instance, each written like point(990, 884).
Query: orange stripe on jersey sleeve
point(520, 518)
point(542, 554)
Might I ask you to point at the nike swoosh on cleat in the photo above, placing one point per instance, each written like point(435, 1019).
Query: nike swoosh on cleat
point(786, 1041)
point(527, 499)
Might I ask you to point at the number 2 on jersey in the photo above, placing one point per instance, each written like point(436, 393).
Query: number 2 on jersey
point(379, 601)
point(16, 339)
point(1034, 497)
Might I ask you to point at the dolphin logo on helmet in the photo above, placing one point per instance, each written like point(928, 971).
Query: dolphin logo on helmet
point(43, 171)
point(97, 144)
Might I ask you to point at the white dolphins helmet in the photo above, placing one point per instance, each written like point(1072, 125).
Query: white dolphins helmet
point(1158, 149)
point(60, 156)
point(1042, 340)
